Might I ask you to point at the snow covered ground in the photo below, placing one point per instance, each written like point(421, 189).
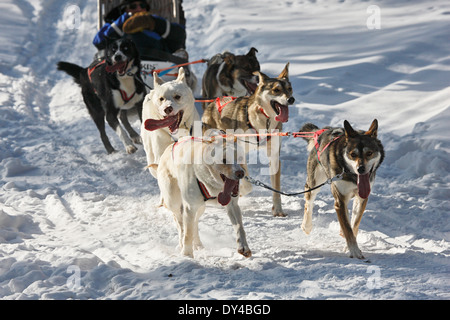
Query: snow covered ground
point(76, 223)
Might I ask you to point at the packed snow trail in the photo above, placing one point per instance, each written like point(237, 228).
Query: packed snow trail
point(78, 223)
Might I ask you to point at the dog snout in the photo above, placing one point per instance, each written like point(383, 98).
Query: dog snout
point(240, 174)
point(168, 110)
point(118, 58)
point(361, 169)
point(291, 100)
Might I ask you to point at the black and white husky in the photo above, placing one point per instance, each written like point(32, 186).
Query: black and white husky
point(110, 88)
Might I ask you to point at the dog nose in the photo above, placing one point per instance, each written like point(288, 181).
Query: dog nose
point(168, 110)
point(361, 169)
point(118, 58)
point(291, 100)
point(240, 174)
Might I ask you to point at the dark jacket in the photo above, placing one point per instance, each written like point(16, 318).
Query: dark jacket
point(166, 36)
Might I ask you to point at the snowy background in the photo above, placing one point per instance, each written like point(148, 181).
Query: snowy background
point(76, 223)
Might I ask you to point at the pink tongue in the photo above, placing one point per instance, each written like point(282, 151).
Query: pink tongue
point(225, 196)
point(154, 124)
point(364, 185)
point(284, 113)
point(118, 66)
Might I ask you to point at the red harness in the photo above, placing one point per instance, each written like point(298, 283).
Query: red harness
point(315, 135)
point(221, 102)
point(92, 69)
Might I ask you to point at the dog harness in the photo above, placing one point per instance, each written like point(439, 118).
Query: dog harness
point(258, 141)
point(206, 195)
point(125, 96)
point(92, 69)
point(221, 102)
point(315, 136)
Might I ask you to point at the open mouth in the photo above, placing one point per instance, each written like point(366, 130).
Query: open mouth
point(172, 122)
point(249, 85)
point(230, 188)
point(282, 111)
point(120, 67)
point(363, 182)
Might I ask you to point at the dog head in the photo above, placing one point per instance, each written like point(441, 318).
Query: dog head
point(237, 72)
point(171, 101)
point(364, 154)
point(122, 56)
point(275, 94)
point(225, 158)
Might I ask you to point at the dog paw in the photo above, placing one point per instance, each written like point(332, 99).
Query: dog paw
point(306, 227)
point(356, 253)
point(198, 245)
point(278, 213)
point(131, 149)
point(246, 252)
point(188, 252)
point(137, 140)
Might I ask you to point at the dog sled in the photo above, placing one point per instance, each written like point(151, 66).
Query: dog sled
point(152, 60)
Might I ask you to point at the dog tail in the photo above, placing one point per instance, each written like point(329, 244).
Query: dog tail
point(71, 69)
point(309, 127)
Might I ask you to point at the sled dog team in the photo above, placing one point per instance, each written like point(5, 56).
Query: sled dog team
point(195, 166)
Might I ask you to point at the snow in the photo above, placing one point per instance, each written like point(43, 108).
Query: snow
point(76, 223)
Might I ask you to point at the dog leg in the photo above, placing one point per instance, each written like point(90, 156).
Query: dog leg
point(114, 123)
point(177, 216)
point(340, 205)
point(275, 180)
point(189, 228)
point(359, 206)
point(274, 146)
point(98, 115)
point(235, 215)
point(123, 115)
point(197, 242)
point(309, 206)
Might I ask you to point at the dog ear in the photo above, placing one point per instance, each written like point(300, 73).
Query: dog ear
point(373, 130)
point(252, 52)
point(285, 73)
point(230, 59)
point(181, 75)
point(262, 77)
point(349, 131)
point(157, 81)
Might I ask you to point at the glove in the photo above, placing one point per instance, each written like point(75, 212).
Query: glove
point(139, 22)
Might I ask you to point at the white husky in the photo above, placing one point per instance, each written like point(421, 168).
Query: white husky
point(194, 171)
point(168, 113)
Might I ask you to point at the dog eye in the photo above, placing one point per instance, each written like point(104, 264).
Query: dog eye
point(161, 99)
point(369, 153)
point(276, 90)
point(177, 97)
point(353, 155)
point(125, 48)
